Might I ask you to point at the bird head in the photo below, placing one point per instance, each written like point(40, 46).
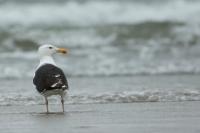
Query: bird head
point(49, 50)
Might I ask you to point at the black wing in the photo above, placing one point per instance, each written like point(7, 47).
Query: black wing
point(49, 77)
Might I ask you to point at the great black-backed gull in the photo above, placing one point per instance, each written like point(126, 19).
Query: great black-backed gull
point(49, 79)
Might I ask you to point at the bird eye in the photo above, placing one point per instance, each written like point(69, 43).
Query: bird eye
point(50, 47)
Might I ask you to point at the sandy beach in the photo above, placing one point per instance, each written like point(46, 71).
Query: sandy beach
point(165, 117)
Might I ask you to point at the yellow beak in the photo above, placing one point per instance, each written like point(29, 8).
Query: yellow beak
point(62, 50)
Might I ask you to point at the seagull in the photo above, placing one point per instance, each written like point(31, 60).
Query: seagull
point(49, 79)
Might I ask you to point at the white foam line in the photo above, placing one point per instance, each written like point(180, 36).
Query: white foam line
point(112, 97)
point(98, 12)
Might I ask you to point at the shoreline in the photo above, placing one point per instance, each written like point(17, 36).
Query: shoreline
point(121, 89)
point(164, 117)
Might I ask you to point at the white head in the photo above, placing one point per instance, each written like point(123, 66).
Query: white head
point(45, 53)
point(49, 50)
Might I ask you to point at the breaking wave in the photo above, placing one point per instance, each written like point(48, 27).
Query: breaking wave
point(118, 97)
point(92, 12)
point(105, 38)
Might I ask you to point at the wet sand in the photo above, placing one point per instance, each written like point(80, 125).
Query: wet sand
point(149, 117)
point(135, 117)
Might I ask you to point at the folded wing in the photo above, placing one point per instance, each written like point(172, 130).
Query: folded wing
point(49, 77)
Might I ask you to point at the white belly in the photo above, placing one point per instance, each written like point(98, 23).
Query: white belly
point(54, 92)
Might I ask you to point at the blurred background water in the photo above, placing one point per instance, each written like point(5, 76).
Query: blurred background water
point(105, 37)
point(121, 51)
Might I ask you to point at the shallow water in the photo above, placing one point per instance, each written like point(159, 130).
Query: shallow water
point(90, 90)
point(175, 117)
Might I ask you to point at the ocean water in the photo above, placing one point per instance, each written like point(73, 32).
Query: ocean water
point(106, 38)
point(106, 90)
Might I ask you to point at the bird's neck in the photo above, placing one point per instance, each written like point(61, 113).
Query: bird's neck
point(46, 60)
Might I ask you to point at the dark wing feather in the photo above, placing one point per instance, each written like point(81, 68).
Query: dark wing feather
point(49, 77)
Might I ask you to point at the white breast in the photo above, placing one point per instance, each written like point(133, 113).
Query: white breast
point(46, 60)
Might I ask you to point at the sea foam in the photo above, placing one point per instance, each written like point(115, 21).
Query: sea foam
point(116, 97)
